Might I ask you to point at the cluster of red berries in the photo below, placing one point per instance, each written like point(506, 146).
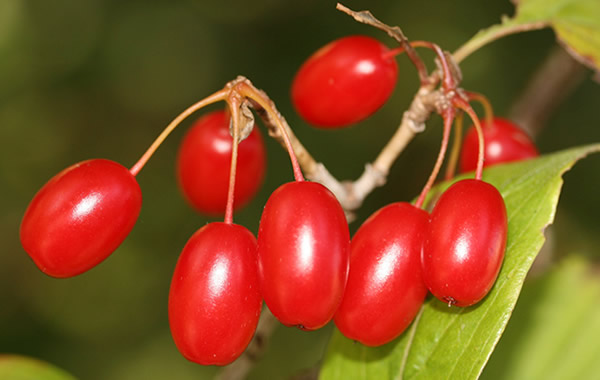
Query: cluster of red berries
point(303, 262)
point(298, 265)
point(401, 251)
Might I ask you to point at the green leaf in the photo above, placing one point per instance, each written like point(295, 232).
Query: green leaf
point(15, 367)
point(555, 328)
point(576, 22)
point(455, 343)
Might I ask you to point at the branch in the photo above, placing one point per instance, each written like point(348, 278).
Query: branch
point(413, 122)
point(351, 194)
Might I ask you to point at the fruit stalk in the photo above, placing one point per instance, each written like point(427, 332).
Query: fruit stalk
point(456, 144)
point(448, 116)
point(448, 81)
point(234, 106)
point(487, 106)
point(467, 108)
point(246, 89)
point(217, 96)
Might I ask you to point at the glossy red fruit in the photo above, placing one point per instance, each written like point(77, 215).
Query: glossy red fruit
point(504, 142)
point(385, 288)
point(465, 246)
point(344, 82)
point(204, 160)
point(214, 300)
point(303, 254)
point(79, 217)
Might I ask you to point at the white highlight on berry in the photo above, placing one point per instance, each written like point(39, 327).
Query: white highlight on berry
point(365, 67)
point(86, 205)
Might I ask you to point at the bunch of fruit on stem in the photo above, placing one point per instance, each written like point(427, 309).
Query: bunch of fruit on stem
point(303, 262)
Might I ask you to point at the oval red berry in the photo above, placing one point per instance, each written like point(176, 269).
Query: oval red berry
point(385, 288)
point(344, 82)
point(303, 254)
point(466, 241)
point(504, 142)
point(214, 299)
point(204, 161)
point(79, 217)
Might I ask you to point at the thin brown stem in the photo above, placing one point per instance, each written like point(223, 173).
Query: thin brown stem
point(234, 103)
point(448, 115)
point(456, 144)
point(480, 156)
point(487, 106)
point(217, 96)
point(448, 81)
point(248, 90)
point(393, 52)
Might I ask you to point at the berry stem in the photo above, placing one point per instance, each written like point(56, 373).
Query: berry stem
point(234, 106)
point(448, 81)
point(217, 96)
point(456, 143)
point(487, 106)
point(448, 115)
point(252, 93)
point(394, 52)
point(460, 103)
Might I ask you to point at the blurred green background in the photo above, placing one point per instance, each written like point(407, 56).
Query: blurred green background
point(101, 78)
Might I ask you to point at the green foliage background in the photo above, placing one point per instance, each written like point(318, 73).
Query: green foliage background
point(101, 78)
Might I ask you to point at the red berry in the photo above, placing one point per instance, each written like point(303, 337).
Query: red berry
point(79, 217)
point(465, 247)
point(385, 289)
point(504, 142)
point(204, 160)
point(344, 82)
point(214, 300)
point(303, 254)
